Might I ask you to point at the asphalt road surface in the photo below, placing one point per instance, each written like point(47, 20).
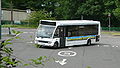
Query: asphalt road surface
point(105, 54)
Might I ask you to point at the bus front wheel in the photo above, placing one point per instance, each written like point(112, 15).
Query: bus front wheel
point(55, 45)
point(89, 42)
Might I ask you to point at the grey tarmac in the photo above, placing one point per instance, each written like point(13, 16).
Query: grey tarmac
point(105, 54)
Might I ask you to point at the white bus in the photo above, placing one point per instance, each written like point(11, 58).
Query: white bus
point(63, 33)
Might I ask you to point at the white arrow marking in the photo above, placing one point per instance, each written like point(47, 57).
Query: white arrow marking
point(63, 62)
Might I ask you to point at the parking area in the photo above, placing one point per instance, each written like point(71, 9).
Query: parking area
point(104, 54)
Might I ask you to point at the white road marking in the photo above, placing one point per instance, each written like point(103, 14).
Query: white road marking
point(4, 33)
point(106, 45)
point(67, 53)
point(25, 32)
point(69, 48)
point(113, 46)
point(98, 45)
point(28, 32)
point(30, 42)
point(63, 62)
point(31, 32)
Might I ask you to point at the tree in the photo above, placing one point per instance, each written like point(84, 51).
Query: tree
point(109, 6)
point(4, 3)
point(36, 16)
point(62, 11)
point(72, 9)
point(116, 11)
point(90, 9)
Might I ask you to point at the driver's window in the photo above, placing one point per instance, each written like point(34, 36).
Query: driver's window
point(57, 32)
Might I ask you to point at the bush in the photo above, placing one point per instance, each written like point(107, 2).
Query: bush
point(35, 16)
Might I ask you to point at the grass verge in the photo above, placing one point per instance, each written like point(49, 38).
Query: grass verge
point(8, 35)
point(18, 26)
point(111, 33)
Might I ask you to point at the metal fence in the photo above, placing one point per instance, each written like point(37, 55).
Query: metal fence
point(6, 22)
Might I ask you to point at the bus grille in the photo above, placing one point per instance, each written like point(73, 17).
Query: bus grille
point(43, 41)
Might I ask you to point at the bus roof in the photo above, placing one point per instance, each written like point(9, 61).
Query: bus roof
point(72, 22)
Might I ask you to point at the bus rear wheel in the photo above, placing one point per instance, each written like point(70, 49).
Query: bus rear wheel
point(89, 42)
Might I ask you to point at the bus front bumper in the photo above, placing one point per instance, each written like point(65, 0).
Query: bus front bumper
point(44, 44)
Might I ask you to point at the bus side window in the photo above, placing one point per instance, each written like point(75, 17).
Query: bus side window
point(60, 32)
point(69, 34)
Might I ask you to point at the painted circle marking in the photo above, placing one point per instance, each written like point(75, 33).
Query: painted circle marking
point(67, 53)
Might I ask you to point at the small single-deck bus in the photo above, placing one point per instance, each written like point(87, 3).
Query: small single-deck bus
point(63, 33)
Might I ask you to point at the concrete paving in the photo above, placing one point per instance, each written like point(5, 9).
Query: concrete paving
point(104, 54)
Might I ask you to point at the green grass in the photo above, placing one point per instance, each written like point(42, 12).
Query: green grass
point(8, 35)
point(111, 33)
point(18, 26)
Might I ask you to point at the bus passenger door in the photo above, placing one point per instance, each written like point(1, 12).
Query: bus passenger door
point(62, 36)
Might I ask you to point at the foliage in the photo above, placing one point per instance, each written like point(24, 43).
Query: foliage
point(70, 9)
point(116, 12)
point(36, 16)
point(91, 9)
point(88, 67)
point(16, 32)
point(6, 58)
point(39, 60)
point(37, 45)
point(63, 10)
point(4, 4)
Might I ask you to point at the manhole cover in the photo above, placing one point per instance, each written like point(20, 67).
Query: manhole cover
point(67, 53)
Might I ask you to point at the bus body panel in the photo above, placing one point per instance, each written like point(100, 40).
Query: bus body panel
point(70, 32)
point(79, 40)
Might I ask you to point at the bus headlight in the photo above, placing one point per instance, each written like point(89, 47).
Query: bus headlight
point(35, 41)
point(49, 42)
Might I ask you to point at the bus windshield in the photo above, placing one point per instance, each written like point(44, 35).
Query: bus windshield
point(45, 31)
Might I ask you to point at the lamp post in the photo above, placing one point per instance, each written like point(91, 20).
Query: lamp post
point(0, 18)
point(109, 25)
point(11, 9)
point(81, 17)
point(28, 12)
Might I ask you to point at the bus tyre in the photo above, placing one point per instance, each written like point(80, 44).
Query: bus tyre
point(89, 42)
point(55, 45)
